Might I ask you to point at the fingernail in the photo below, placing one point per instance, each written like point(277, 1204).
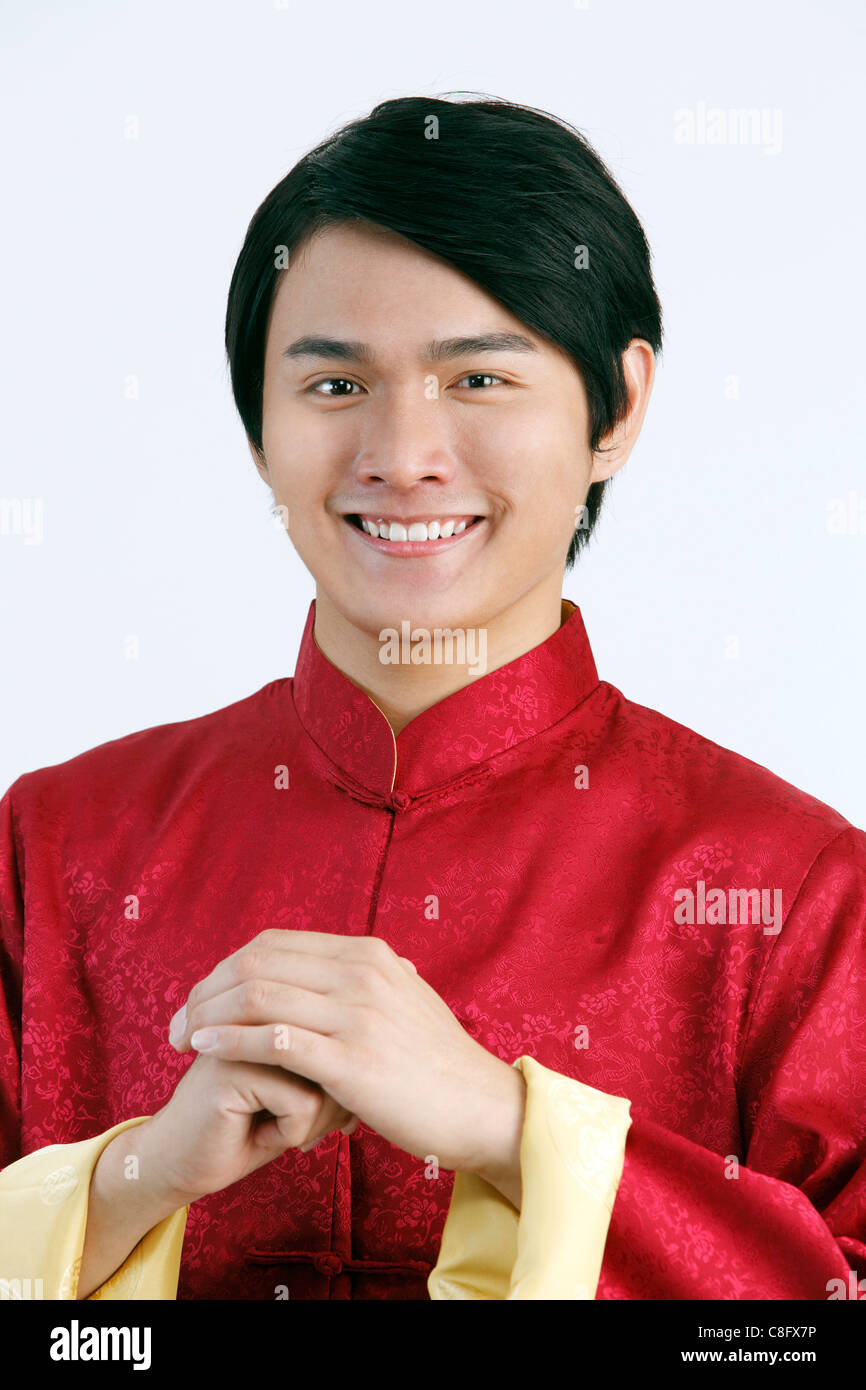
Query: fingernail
point(177, 1027)
point(205, 1040)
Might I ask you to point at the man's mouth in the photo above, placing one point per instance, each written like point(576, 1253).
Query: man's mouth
point(413, 538)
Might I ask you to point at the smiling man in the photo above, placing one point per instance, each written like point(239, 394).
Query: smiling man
point(436, 478)
point(403, 978)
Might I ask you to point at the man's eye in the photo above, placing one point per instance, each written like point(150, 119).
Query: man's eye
point(331, 380)
point(480, 376)
point(339, 383)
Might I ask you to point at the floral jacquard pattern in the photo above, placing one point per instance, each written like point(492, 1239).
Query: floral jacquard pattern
point(545, 907)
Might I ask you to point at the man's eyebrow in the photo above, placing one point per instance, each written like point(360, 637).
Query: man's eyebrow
point(346, 350)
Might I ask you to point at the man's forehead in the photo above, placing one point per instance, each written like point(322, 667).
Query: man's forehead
point(331, 308)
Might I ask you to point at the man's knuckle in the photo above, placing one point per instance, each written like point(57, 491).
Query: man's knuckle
point(329, 1063)
point(367, 1024)
point(252, 996)
point(249, 962)
point(309, 1106)
point(368, 984)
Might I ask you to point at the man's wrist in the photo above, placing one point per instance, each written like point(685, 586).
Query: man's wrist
point(500, 1167)
point(127, 1174)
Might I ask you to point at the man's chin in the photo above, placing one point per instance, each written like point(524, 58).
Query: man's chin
point(390, 607)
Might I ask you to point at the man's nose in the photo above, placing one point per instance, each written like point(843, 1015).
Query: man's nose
point(406, 442)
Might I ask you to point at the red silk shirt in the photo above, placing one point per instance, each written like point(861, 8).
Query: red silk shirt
point(580, 878)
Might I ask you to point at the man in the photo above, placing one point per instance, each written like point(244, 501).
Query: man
point(444, 902)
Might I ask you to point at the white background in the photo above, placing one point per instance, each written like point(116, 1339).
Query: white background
point(116, 260)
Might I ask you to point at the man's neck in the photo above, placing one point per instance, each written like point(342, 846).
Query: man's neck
point(402, 689)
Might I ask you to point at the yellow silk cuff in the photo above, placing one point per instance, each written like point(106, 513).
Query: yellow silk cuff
point(43, 1205)
point(572, 1152)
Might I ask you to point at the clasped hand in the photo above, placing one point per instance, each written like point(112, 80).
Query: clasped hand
point(350, 1015)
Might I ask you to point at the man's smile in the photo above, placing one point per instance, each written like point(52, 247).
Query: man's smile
point(413, 539)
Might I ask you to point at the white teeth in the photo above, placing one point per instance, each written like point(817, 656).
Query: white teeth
point(417, 530)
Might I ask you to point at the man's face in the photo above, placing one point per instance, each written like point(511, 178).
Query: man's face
point(497, 437)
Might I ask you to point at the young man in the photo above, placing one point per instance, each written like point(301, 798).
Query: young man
point(520, 953)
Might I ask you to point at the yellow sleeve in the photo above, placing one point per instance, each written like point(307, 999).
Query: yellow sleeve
point(43, 1221)
point(572, 1152)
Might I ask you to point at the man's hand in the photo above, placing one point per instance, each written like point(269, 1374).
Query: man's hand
point(357, 1020)
point(224, 1121)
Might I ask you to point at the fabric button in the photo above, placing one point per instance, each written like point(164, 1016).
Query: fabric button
point(401, 800)
point(327, 1263)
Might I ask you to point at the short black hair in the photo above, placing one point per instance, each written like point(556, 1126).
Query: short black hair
point(508, 195)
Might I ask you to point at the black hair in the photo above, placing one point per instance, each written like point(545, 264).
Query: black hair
point(508, 195)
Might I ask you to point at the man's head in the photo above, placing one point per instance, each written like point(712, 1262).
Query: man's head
point(425, 222)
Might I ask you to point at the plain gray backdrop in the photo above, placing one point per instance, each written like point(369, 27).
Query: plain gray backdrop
point(725, 585)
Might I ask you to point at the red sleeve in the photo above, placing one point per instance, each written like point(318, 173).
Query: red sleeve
point(11, 958)
point(789, 1217)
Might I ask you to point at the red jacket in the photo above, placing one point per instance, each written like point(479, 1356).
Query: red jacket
point(575, 924)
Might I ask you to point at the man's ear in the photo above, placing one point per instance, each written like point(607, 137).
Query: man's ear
point(259, 460)
point(638, 365)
